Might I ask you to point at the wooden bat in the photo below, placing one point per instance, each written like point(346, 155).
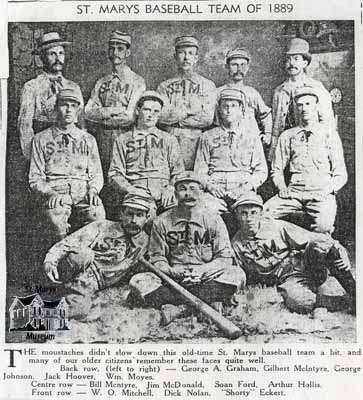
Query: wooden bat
point(225, 325)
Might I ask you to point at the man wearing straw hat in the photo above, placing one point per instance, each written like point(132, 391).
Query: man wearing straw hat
point(99, 255)
point(110, 110)
point(38, 97)
point(284, 112)
point(191, 100)
point(255, 110)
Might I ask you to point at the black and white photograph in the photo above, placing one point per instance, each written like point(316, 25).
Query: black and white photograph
point(181, 181)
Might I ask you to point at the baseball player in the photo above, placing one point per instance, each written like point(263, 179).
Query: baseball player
point(39, 95)
point(230, 158)
point(101, 254)
point(313, 154)
point(110, 110)
point(65, 170)
point(284, 112)
point(146, 156)
point(255, 110)
point(191, 100)
point(191, 245)
point(275, 252)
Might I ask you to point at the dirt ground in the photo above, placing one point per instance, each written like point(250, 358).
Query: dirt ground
point(260, 314)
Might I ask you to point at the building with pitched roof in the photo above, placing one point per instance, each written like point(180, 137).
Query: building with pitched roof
point(33, 313)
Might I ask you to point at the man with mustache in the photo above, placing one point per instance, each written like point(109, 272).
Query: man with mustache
point(255, 110)
point(191, 100)
point(284, 112)
point(191, 245)
point(145, 156)
point(65, 173)
point(275, 252)
point(99, 255)
point(312, 152)
point(230, 159)
point(38, 96)
point(110, 109)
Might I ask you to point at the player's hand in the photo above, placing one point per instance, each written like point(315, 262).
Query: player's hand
point(168, 196)
point(52, 272)
point(241, 190)
point(284, 193)
point(165, 268)
point(126, 262)
point(55, 200)
point(216, 191)
point(92, 198)
point(266, 139)
point(137, 191)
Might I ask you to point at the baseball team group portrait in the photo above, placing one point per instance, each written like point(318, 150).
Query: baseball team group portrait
point(181, 181)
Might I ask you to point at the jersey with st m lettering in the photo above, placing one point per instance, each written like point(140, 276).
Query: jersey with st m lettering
point(189, 240)
point(60, 157)
point(139, 154)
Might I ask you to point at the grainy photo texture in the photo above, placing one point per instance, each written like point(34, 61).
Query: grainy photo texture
point(181, 181)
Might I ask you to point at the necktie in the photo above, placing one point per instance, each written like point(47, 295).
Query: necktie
point(307, 135)
point(231, 138)
point(188, 234)
point(290, 118)
point(56, 83)
point(65, 139)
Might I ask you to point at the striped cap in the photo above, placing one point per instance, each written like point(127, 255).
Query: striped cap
point(120, 37)
point(238, 53)
point(189, 41)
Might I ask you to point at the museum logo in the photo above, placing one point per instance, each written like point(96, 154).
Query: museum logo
point(38, 317)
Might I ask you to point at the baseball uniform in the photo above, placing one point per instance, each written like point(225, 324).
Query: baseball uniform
point(196, 246)
point(317, 170)
point(296, 260)
point(66, 163)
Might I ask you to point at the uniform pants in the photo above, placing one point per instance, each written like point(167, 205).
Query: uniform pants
point(321, 213)
point(150, 290)
point(155, 186)
point(73, 206)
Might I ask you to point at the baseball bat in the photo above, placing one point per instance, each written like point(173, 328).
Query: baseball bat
point(225, 325)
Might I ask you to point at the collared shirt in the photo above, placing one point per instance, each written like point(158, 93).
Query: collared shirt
point(256, 110)
point(114, 90)
point(274, 241)
point(315, 159)
point(138, 154)
point(191, 95)
point(107, 240)
point(284, 112)
point(59, 157)
point(196, 240)
point(37, 103)
point(223, 150)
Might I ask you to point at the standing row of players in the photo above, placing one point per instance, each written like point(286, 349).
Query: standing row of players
point(144, 161)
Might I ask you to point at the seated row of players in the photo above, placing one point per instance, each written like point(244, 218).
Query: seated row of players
point(192, 246)
point(66, 174)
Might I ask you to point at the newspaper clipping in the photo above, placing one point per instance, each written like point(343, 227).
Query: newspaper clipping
point(180, 183)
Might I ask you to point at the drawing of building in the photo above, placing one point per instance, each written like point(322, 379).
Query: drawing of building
point(34, 313)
